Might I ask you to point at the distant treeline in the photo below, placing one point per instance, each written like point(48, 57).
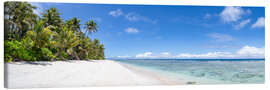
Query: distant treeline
point(29, 37)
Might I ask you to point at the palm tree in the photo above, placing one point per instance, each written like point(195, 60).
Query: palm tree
point(52, 18)
point(91, 27)
point(19, 18)
point(84, 48)
point(74, 24)
point(101, 52)
point(42, 36)
point(9, 9)
point(48, 37)
point(66, 40)
point(95, 50)
point(43, 40)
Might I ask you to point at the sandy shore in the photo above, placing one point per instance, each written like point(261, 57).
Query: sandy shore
point(76, 74)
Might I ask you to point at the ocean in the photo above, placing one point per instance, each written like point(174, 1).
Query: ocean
point(204, 71)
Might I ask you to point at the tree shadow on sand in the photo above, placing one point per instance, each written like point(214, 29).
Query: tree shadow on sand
point(39, 63)
point(34, 63)
point(46, 63)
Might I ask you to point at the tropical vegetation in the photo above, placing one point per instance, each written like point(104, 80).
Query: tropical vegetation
point(29, 37)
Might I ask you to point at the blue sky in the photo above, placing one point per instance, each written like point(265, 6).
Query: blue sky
point(160, 31)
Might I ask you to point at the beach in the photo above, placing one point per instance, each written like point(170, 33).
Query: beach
point(76, 74)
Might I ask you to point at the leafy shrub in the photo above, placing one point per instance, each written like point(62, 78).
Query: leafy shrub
point(8, 58)
point(47, 54)
point(18, 50)
point(64, 55)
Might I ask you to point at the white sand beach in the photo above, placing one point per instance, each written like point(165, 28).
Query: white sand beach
point(76, 74)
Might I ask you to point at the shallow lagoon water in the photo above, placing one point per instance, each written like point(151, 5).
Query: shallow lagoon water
point(203, 71)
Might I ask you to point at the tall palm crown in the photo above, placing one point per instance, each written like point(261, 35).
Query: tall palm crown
point(52, 17)
point(74, 24)
point(91, 27)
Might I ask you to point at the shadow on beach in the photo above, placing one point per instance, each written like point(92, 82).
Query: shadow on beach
point(73, 61)
point(32, 63)
point(46, 63)
point(37, 63)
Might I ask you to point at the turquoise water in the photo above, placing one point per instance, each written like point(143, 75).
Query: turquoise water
point(212, 71)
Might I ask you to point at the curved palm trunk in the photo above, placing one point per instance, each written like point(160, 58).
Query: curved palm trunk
point(58, 54)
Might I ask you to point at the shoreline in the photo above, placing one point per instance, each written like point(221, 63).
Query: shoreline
point(152, 74)
point(77, 74)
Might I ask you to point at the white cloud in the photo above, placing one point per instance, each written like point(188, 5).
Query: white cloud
point(144, 55)
point(259, 23)
point(151, 55)
point(242, 24)
point(126, 56)
point(207, 55)
point(131, 30)
point(116, 13)
point(136, 17)
point(132, 17)
point(165, 54)
point(244, 52)
point(232, 14)
point(249, 51)
point(221, 37)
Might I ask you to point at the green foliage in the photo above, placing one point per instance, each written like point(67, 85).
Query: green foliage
point(8, 58)
point(66, 40)
point(52, 17)
point(43, 37)
point(91, 27)
point(18, 50)
point(47, 54)
point(30, 38)
point(64, 55)
point(19, 18)
point(73, 24)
